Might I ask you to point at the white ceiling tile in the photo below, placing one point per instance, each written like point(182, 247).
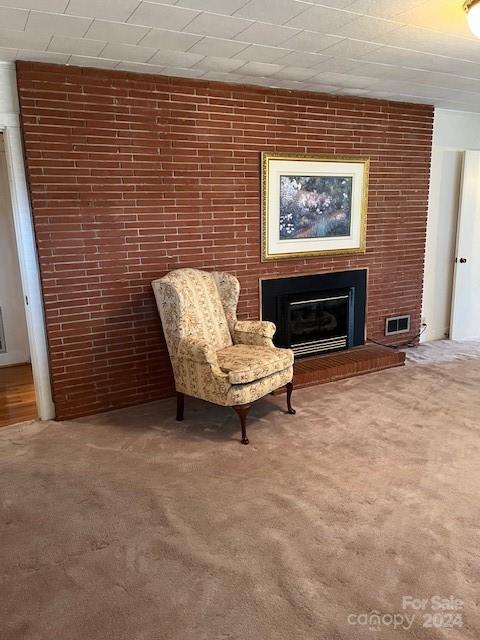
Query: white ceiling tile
point(259, 53)
point(269, 34)
point(163, 39)
point(345, 80)
point(383, 8)
point(277, 12)
point(459, 67)
point(226, 7)
point(367, 28)
point(319, 87)
point(218, 47)
point(378, 95)
point(335, 4)
point(217, 26)
point(295, 73)
point(162, 16)
point(139, 67)
point(23, 40)
point(117, 51)
point(106, 9)
point(8, 54)
point(79, 46)
point(329, 77)
point(259, 69)
point(181, 72)
point(42, 56)
point(352, 92)
point(467, 97)
point(292, 85)
point(337, 65)
point(349, 48)
point(322, 19)
point(176, 59)
point(89, 61)
point(404, 58)
point(446, 16)
point(454, 82)
point(116, 32)
point(454, 106)
point(414, 50)
point(462, 49)
point(220, 76)
point(13, 18)
point(302, 59)
point(426, 41)
point(260, 81)
point(373, 69)
point(213, 63)
point(311, 41)
point(360, 82)
point(55, 23)
point(57, 6)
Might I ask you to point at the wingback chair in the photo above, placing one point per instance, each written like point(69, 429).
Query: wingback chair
point(214, 356)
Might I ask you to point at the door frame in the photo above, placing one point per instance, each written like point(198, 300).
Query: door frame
point(28, 261)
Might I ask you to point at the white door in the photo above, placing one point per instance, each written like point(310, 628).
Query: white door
point(465, 321)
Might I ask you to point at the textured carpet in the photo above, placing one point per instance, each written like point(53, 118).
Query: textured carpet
point(129, 526)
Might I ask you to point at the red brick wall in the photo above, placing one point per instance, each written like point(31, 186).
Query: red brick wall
point(132, 176)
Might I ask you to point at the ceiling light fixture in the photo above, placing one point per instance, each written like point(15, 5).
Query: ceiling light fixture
point(472, 7)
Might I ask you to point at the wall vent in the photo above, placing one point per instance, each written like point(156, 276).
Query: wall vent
point(398, 324)
point(3, 346)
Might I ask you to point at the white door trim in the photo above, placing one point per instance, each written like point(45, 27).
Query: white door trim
point(29, 269)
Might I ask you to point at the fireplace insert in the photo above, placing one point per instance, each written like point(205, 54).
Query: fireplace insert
point(317, 314)
point(320, 324)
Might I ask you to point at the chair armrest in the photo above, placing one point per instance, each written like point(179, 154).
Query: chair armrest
point(192, 349)
point(259, 327)
point(255, 332)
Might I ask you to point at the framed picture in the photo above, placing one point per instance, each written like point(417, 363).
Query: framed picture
point(313, 205)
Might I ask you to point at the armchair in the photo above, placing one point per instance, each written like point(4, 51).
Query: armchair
point(214, 356)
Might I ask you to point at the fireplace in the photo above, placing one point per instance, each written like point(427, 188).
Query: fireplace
point(318, 313)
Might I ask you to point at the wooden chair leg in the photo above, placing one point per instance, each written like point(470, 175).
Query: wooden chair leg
point(180, 405)
point(242, 410)
point(289, 399)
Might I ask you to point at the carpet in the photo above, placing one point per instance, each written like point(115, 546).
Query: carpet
point(357, 518)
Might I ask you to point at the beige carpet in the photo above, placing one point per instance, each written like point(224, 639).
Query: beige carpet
point(129, 526)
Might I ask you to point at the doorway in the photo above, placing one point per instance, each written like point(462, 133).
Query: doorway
point(451, 302)
point(17, 391)
point(25, 391)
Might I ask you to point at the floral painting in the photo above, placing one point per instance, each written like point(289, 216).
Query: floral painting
point(315, 206)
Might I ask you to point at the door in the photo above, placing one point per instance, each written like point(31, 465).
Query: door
point(465, 321)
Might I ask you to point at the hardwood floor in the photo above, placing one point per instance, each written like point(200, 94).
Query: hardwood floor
point(17, 395)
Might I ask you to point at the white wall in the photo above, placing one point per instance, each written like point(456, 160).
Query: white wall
point(453, 133)
point(11, 296)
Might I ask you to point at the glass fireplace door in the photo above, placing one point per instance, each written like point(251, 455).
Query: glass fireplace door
point(319, 324)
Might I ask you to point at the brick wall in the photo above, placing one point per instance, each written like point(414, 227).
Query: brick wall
point(132, 176)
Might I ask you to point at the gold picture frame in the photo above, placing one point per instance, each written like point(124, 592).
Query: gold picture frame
point(279, 198)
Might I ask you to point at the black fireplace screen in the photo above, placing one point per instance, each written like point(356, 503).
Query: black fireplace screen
point(319, 325)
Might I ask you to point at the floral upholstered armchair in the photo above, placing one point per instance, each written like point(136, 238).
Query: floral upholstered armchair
point(214, 356)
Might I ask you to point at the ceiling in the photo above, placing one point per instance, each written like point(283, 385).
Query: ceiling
point(411, 50)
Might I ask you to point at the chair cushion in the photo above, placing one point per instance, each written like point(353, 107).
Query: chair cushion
point(246, 363)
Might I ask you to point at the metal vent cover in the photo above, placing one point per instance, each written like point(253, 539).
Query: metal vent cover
point(397, 324)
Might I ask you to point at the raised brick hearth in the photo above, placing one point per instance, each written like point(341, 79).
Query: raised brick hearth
point(132, 176)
